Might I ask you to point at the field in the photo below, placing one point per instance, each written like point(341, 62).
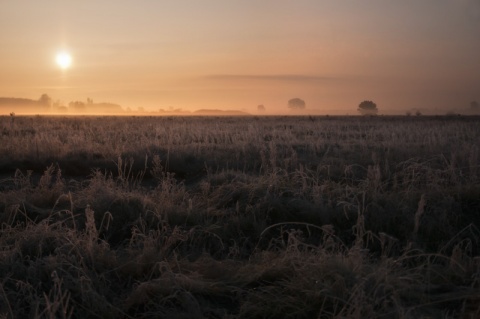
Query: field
point(240, 217)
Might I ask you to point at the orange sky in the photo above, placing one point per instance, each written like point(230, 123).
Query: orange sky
point(236, 54)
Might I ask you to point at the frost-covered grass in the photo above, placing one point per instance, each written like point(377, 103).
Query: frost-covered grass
point(240, 217)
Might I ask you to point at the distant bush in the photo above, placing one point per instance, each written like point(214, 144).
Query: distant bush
point(367, 108)
point(296, 104)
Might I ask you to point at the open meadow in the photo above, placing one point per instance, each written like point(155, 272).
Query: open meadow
point(240, 217)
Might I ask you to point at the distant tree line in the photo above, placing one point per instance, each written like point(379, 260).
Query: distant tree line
point(45, 104)
point(12, 104)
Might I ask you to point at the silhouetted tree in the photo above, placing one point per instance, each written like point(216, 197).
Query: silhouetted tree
point(261, 108)
point(57, 104)
point(296, 104)
point(474, 105)
point(78, 106)
point(45, 100)
point(367, 108)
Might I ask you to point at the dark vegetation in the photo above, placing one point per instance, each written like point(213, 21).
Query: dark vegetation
point(367, 108)
point(240, 217)
point(41, 105)
point(296, 104)
point(46, 105)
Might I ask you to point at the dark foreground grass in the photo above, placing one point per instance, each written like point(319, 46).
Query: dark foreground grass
point(240, 217)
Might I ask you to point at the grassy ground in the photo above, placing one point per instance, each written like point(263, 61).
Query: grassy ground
point(240, 217)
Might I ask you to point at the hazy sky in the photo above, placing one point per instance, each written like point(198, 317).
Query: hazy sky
point(236, 54)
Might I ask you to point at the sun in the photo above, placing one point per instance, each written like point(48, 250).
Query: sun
point(64, 60)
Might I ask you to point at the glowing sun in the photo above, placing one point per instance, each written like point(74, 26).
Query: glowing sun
point(64, 60)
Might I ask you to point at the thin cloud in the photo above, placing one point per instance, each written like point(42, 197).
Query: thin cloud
point(269, 77)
